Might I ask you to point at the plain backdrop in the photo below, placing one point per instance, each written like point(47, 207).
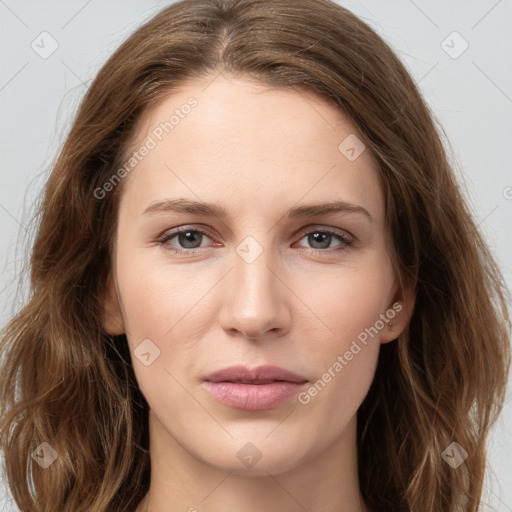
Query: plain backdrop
point(459, 52)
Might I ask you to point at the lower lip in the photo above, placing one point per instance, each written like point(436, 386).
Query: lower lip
point(253, 397)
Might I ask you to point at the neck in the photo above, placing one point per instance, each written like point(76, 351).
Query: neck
point(182, 482)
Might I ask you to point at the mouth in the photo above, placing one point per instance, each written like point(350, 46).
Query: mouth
point(261, 388)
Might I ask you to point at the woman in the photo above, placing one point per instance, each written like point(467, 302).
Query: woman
point(188, 345)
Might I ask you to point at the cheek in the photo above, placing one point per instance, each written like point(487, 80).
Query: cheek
point(347, 304)
point(344, 357)
point(169, 306)
point(157, 297)
point(333, 400)
point(343, 364)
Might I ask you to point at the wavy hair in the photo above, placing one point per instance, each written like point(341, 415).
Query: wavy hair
point(66, 382)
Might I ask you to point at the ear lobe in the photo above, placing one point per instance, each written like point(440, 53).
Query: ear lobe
point(111, 316)
point(403, 306)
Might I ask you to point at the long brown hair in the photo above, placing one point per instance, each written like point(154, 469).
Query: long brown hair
point(66, 382)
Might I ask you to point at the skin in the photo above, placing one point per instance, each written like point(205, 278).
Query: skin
point(257, 151)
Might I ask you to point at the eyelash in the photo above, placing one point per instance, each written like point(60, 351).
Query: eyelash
point(166, 237)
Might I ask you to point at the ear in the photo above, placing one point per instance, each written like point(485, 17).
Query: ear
point(402, 305)
point(111, 315)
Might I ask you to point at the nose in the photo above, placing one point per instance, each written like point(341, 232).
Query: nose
point(255, 298)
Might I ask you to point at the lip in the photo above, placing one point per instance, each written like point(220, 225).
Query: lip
point(261, 388)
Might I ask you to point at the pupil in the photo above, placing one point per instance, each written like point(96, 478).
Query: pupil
point(317, 237)
point(185, 241)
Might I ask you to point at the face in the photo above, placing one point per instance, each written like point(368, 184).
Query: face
point(260, 279)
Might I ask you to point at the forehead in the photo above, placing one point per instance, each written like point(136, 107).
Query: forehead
point(239, 142)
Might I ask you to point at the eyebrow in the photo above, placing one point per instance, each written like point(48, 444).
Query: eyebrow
point(215, 210)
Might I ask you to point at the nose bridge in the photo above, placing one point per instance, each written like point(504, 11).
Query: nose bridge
point(254, 282)
point(254, 300)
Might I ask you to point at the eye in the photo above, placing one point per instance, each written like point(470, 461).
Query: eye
point(189, 240)
point(320, 240)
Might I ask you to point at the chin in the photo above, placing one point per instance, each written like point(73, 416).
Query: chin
point(258, 457)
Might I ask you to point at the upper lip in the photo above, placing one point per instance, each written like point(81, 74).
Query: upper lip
point(259, 375)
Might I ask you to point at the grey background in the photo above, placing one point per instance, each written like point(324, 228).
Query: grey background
point(471, 96)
